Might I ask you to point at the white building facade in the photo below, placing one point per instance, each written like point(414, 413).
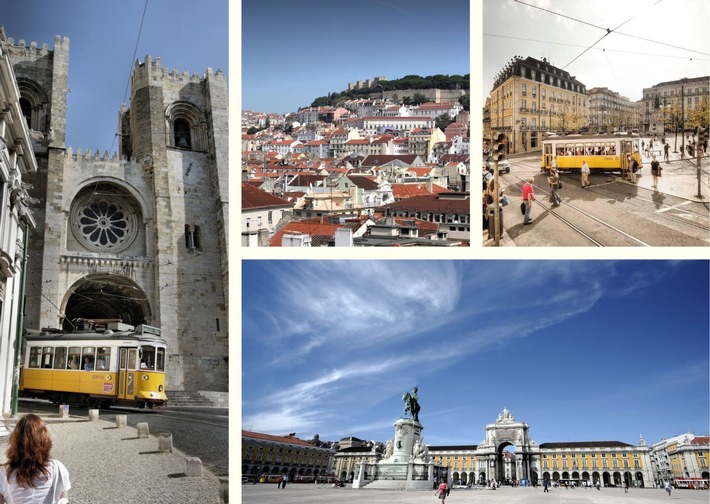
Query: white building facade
point(16, 160)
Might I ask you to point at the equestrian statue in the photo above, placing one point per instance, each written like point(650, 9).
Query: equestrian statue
point(411, 404)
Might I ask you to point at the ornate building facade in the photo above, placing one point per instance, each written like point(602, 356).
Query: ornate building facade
point(142, 235)
point(17, 163)
point(507, 453)
point(670, 103)
point(681, 457)
point(610, 112)
point(531, 97)
point(606, 462)
point(266, 454)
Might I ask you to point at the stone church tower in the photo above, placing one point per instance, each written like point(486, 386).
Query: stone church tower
point(142, 235)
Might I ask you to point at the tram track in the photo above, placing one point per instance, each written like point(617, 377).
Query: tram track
point(579, 230)
point(666, 211)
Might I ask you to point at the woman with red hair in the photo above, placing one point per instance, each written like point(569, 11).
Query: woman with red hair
point(29, 476)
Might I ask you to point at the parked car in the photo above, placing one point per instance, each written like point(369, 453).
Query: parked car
point(503, 166)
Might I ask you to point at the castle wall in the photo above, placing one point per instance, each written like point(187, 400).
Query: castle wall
point(434, 95)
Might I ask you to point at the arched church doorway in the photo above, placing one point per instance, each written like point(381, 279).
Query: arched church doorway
point(106, 296)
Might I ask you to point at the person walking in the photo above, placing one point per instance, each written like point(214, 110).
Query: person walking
point(585, 174)
point(655, 172)
point(554, 180)
point(668, 488)
point(666, 149)
point(528, 198)
point(545, 485)
point(443, 490)
point(29, 475)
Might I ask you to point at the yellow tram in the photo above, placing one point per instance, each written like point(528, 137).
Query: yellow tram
point(601, 152)
point(116, 365)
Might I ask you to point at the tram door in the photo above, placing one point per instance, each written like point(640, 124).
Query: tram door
point(127, 373)
point(626, 149)
point(547, 156)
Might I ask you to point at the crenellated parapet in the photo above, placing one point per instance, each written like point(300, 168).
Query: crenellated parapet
point(91, 155)
point(33, 48)
point(152, 68)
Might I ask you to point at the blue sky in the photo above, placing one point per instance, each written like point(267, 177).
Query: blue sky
point(652, 41)
point(103, 38)
point(579, 350)
point(294, 52)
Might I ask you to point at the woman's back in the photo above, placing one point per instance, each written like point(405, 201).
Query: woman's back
point(30, 476)
point(42, 493)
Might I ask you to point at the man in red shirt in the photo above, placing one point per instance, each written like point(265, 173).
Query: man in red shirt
point(528, 198)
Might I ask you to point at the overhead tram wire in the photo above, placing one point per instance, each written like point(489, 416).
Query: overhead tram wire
point(611, 68)
point(128, 82)
point(135, 51)
point(616, 32)
point(608, 32)
point(655, 55)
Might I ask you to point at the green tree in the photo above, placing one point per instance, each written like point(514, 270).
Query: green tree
point(418, 99)
point(442, 121)
point(697, 117)
point(465, 102)
point(321, 101)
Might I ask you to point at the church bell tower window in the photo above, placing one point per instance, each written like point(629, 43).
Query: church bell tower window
point(182, 134)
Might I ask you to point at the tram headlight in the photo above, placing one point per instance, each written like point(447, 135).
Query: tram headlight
point(160, 388)
point(145, 377)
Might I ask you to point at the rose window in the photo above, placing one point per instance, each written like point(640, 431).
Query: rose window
point(103, 224)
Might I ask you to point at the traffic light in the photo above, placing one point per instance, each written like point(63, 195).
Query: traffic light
point(498, 151)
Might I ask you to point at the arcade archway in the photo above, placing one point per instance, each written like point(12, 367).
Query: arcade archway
point(106, 296)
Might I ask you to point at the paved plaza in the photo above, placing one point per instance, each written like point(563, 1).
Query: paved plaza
point(314, 494)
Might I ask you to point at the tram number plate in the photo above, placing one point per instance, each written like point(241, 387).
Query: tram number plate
point(108, 387)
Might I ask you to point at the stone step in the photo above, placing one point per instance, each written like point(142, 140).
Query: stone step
point(187, 398)
point(386, 484)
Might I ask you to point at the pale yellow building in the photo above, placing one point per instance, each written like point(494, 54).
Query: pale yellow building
point(266, 455)
point(530, 98)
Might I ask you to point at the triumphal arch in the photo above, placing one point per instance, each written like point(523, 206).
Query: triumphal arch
point(506, 431)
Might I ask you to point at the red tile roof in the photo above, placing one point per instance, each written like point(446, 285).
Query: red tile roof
point(381, 159)
point(278, 439)
point(310, 227)
point(253, 198)
point(363, 182)
point(421, 171)
point(400, 191)
point(430, 204)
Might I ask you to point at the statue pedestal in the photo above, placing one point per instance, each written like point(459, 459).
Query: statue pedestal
point(402, 469)
point(407, 433)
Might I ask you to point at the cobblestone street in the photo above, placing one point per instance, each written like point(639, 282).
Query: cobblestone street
point(295, 493)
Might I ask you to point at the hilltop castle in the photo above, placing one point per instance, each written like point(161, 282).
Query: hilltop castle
point(141, 236)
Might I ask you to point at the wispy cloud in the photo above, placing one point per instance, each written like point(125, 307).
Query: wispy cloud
point(335, 338)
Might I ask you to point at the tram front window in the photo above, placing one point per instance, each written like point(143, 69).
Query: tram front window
point(161, 359)
point(148, 357)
